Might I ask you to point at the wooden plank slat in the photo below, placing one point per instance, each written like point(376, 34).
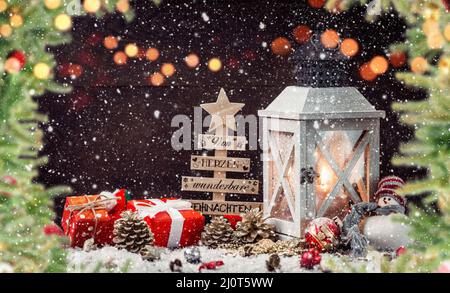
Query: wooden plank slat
point(220, 142)
point(225, 164)
point(223, 185)
point(218, 208)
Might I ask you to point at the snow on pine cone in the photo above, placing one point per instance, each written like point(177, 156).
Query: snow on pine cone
point(218, 232)
point(252, 228)
point(131, 232)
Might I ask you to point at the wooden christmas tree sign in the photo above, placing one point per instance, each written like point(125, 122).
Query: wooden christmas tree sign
point(218, 139)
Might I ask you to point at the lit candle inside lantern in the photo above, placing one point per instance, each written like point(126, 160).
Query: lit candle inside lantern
point(340, 149)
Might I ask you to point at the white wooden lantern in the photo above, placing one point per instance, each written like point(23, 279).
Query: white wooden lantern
point(321, 153)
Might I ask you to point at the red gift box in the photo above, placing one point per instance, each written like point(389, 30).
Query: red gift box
point(173, 222)
point(92, 216)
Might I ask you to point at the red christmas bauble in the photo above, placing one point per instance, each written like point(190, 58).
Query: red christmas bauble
point(53, 229)
point(310, 258)
point(401, 250)
point(8, 179)
point(20, 56)
point(323, 234)
point(446, 4)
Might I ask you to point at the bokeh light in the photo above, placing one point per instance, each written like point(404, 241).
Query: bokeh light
point(366, 73)
point(110, 42)
point(41, 70)
point(329, 39)
point(435, 40)
point(214, 64)
point(192, 60)
point(5, 30)
point(397, 59)
point(447, 32)
point(281, 46)
point(152, 54)
point(16, 20)
point(131, 50)
point(302, 34)
point(419, 65)
point(3, 5)
point(349, 47)
point(123, 6)
point(12, 65)
point(52, 4)
point(120, 58)
point(156, 79)
point(316, 3)
point(233, 63)
point(91, 6)
point(379, 64)
point(75, 70)
point(63, 22)
point(168, 69)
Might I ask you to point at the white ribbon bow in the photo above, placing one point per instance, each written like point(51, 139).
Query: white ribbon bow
point(173, 208)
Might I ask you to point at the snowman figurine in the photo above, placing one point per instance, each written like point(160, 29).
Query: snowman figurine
point(381, 230)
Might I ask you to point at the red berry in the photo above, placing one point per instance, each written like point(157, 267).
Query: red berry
point(310, 258)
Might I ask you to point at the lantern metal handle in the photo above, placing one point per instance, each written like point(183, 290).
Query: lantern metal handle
point(307, 175)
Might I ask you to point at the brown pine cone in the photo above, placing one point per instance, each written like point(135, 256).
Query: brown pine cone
point(252, 228)
point(131, 232)
point(218, 232)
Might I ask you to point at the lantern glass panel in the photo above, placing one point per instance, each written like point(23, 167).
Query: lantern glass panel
point(281, 170)
point(341, 166)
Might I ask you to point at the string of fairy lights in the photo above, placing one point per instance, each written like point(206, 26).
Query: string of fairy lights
point(282, 46)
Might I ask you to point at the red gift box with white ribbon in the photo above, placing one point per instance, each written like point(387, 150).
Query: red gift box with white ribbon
point(172, 221)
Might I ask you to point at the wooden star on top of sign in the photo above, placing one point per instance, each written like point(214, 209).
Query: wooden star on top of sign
point(222, 112)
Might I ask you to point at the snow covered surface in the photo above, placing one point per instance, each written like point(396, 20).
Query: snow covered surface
point(110, 259)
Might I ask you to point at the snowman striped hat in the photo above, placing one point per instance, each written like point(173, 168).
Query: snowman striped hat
point(387, 192)
point(391, 182)
point(387, 187)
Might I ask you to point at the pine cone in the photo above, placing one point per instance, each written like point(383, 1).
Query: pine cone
point(218, 232)
point(131, 232)
point(150, 253)
point(252, 228)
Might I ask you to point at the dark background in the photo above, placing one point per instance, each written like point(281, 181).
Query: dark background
point(105, 134)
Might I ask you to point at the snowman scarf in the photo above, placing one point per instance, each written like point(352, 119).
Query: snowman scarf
point(351, 235)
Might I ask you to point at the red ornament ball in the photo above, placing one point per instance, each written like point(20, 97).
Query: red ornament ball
point(316, 3)
point(53, 229)
point(10, 180)
point(401, 250)
point(446, 4)
point(310, 258)
point(20, 56)
point(323, 234)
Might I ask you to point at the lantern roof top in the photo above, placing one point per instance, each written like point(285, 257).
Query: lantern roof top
point(306, 103)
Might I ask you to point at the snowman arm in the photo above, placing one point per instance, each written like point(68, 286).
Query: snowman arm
point(358, 211)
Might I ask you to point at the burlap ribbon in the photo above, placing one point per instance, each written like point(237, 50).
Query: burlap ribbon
point(101, 202)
